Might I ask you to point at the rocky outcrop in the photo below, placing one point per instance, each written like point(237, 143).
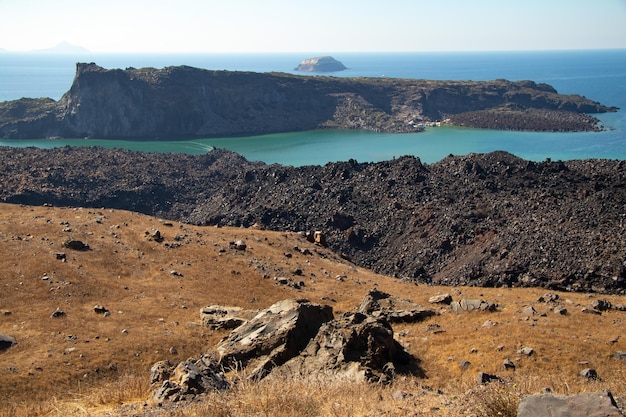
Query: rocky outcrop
point(320, 64)
point(294, 338)
point(185, 102)
point(481, 219)
point(273, 336)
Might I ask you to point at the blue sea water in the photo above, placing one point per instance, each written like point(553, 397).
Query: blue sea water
point(599, 75)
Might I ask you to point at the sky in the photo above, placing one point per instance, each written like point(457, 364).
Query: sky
point(196, 26)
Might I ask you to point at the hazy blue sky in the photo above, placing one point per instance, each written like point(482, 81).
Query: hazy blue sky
point(312, 26)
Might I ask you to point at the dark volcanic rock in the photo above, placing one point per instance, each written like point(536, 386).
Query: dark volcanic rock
point(481, 219)
point(186, 102)
point(320, 64)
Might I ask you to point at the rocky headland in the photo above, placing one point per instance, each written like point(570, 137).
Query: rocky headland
point(482, 220)
point(185, 102)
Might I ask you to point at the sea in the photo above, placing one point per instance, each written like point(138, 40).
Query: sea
point(596, 74)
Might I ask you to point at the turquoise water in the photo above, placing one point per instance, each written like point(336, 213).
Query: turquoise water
point(599, 75)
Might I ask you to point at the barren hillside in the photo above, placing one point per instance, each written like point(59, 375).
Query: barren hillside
point(85, 362)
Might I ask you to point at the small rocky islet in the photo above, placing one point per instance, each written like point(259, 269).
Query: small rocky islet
point(320, 64)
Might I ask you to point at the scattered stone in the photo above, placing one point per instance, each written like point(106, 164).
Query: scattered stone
point(6, 341)
point(100, 309)
point(529, 311)
point(614, 340)
point(560, 310)
point(601, 305)
point(620, 355)
point(590, 311)
point(400, 395)
point(58, 313)
point(5, 313)
point(598, 404)
point(548, 298)
point(485, 378)
point(441, 299)
point(528, 351)
point(470, 305)
point(76, 245)
point(320, 238)
point(238, 245)
point(61, 257)
point(490, 323)
point(225, 317)
point(464, 365)
point(508, 365)
point(589, 374)
point(175, 273)
point(155, 236)
point(380, 304)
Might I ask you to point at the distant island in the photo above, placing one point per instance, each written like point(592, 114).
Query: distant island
point(320, 64)
point(185, 102)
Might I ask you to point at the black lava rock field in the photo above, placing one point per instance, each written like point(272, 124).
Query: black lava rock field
point(481, 219)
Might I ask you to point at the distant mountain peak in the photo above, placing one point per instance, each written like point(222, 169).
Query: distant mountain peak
point(64, 48)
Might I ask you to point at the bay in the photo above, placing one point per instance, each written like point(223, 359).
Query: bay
point(599, 75)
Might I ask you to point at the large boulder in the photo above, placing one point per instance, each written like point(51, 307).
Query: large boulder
point(354, 346)
point(595, 404)
point(273, 336)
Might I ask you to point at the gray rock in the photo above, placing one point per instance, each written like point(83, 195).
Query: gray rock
point(239, 245)
point(601, 305)
point(528, 351)
point(6, 341)
point(99, 309)
point(560, 310)
point(470, 305)
point(355, 347)
point(76, 245)
point(508, 364)
point(589, 374)
point(485, 378)
point(464, 365)
point(529, 310)
point(273, 336)
point(619, 355)
point(188, 379)
point(58, 313)
point(599, 404)
point(380, 304)
point(441, 299)
point(225, 317)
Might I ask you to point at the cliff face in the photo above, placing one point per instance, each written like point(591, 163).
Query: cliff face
point(185, 102)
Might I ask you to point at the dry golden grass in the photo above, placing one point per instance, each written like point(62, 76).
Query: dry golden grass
point(87, 364)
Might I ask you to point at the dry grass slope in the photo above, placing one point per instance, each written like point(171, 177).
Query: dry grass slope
point(87, 364)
